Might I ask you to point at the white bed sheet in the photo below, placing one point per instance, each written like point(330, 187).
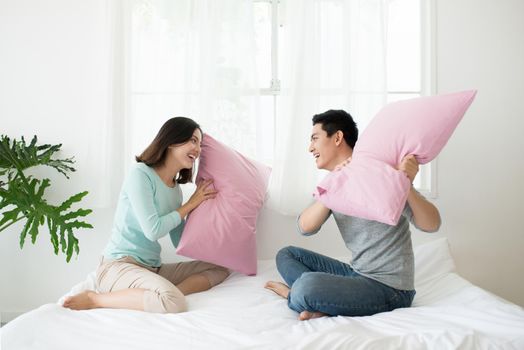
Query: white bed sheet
point(448, 313)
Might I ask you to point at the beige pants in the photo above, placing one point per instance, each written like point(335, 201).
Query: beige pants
point(161, 294)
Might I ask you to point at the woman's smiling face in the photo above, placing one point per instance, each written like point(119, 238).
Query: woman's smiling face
point(186, 153)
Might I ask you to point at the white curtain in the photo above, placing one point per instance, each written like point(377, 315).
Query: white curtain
point(192, 58)
point(334, 58)
point(196, 58)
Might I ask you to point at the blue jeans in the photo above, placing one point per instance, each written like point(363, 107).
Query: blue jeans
point(320, 283)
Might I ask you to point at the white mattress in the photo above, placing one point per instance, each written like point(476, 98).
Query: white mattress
point(448, 313)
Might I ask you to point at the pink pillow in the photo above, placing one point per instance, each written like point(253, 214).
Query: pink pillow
point(370, 187)
point(222, 230)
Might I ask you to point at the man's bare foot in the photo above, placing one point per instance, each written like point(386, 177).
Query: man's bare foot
point(81, 301)
point(308, 315)
point(278, 287)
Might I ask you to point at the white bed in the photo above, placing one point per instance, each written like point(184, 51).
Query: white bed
point(448, 313)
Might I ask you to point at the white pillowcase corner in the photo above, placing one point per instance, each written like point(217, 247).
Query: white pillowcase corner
point(433, 260)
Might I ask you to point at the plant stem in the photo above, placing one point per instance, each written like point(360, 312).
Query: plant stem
point(6, 226)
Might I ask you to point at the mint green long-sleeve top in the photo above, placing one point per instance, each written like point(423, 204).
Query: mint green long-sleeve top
point(146, 212)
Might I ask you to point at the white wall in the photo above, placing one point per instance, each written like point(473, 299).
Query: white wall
point(54, 82)
point(480, 171)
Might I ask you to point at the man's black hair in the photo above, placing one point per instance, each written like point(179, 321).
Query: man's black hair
point(338, 119)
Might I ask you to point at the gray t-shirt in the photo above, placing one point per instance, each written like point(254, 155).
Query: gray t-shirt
point(379, 251)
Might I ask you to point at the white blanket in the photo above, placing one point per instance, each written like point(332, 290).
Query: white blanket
point(448, 313)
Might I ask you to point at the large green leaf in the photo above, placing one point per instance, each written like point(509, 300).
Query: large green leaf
point(18, 155)
point(22, 196)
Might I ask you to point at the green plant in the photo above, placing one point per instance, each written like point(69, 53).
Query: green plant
point(22, 196)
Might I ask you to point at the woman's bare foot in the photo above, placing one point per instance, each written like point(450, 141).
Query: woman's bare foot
point(278, 287)
point(308, 315)
point(81, 301)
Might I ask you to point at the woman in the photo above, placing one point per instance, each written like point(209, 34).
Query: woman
point(131, 275)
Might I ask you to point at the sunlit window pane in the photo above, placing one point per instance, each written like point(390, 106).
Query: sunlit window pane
point(262, 17)
point(398, 97)
point(403, 46)
point(265, 129)
point(331, 50)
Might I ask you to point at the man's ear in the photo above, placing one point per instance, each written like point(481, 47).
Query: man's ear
point(339, 137)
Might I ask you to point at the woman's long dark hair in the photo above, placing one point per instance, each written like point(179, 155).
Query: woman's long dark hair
point(175, 131)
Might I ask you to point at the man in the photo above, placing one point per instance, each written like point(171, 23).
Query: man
point(380, 276)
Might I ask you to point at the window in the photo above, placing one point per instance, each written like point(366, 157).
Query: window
point(407, 69)
point(197, 59)
point(406, 61)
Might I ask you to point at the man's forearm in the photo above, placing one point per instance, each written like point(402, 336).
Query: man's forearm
point(425, 214)
point(313, 217)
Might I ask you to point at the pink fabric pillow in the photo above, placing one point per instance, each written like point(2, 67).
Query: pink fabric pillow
point(222, 230)
point(370, 187)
